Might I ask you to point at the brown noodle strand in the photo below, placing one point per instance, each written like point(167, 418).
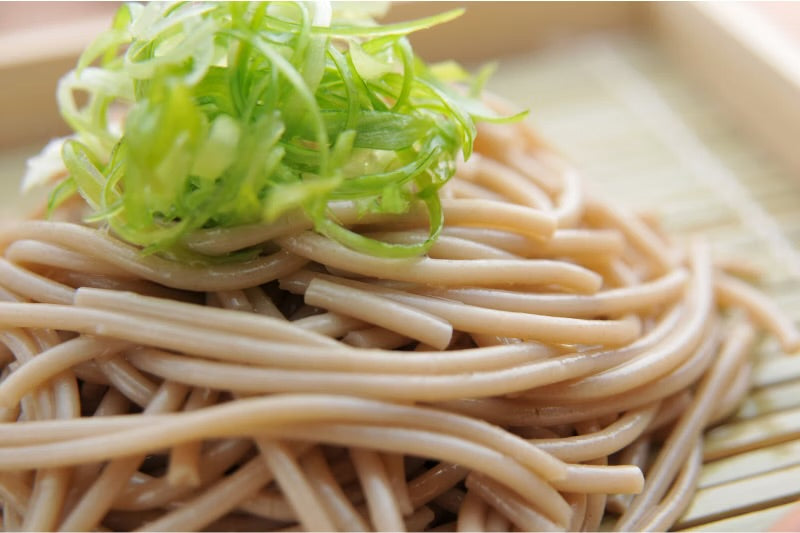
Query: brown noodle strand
point(15, 491)
point(595, 505)
point(495, 521)
point(450, 500)
point(446, 448)
point(309, 510)
point(449, 272)
point(336, 501)
point(47, 254)
point(216, 500)
point(329, 324)
point(511, 505)
point(734, 394)
point(12, 521)
point(184, 459)
point(396, 471)
point(94, 243)
point(465, 190)
point(241, 323)
point(205, 341)
point(419, 519)
point(384, 339)
point(51, 486)
point(128, 380)
point(612, 302)
point(446, 246)
point(158, 492)
point(368, 307)
point(384, 512)
point(669, 354)
point(34, 286)
point(578, 503)
point(731, 291)
point(622, 479)
point(496, 214)
point(569, 209)
point(671, 408)
point(509, 183)
point(269, 504)
point(472, 514)
point(435, 481)
point(636, 454)
point(261, 303)
point(47, 364)
point(97, 499)
point(674, 504)
point(677, 447)
point(637, 232)
point(537, 413)
point(49, 490)
point(475, 319)
point(234, 299)
point(112, 403)
point(522, 374)
point(573, 242)
point(607, 441)
point(162, 430)
point(247, 379)
point(60, 400)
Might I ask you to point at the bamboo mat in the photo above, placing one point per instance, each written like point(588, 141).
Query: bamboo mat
point(641, 133)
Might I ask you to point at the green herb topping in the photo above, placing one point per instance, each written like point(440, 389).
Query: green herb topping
point(203, 115)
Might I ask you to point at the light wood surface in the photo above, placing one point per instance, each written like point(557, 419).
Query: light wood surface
point(747, 54)
point(39, 43)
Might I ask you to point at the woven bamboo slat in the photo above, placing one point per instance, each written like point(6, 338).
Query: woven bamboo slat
point(643, 134)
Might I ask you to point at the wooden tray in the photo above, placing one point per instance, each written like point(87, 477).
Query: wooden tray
point(676, 108)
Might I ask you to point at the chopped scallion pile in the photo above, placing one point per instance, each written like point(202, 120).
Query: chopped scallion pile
point(203, 115)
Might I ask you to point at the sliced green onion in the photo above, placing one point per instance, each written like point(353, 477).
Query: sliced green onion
point(203, 115)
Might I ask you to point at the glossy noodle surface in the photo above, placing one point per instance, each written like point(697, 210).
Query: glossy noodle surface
point(552, 362)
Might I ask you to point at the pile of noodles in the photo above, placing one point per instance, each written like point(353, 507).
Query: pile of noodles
point(553, 361)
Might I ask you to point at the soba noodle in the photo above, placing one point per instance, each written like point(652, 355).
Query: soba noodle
point(520, 376)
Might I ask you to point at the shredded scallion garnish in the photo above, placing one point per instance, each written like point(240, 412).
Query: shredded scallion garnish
point(204, 115)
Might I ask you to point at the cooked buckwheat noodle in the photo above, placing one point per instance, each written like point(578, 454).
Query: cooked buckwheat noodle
point(551, 363)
